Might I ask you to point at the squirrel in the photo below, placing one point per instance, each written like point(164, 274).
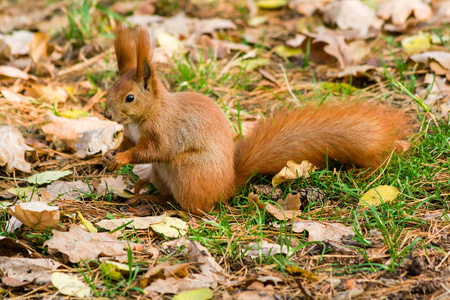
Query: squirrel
point(189, 142)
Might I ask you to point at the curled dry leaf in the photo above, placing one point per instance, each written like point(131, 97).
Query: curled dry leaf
point(438, 61)
point(37, 215)
point(13, 247)
point(353, 14)
point(70, 131)
point(40, 51)
point(70, 285)
point(265, 248)
point(293, 171)
point(138, 223)
point(355, 71)
point(164, 270)
point(292, 202)
point(12, 72)
point(399, 10)
point(330, 44)
point(12, 150)
point(49, 93)
point(278, 214)
point(78, 244)
point(28, 270)
point(321, 231)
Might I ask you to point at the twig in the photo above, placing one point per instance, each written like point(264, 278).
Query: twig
point(287, 85)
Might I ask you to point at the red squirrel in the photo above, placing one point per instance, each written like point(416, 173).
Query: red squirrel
point(189, 142)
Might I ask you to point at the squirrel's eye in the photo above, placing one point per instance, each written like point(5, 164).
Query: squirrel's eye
point(130, 98)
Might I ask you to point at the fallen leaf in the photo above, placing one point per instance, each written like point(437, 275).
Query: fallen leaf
point(112, 271)
point(287, 52)
point(12, 150)
point(37, 215)
point(15, 97)
point(417, 43)
point(164, 271)
point(143, 171)
point(97, 140)
point(46, 177)
point(292, 202)
point(78, 244)
point(253, 63)
point(70, 131)
point(438, 61)
point(48, 92)
point(18, 41)
point(40, 51)
point(321, 231)
point(198, 294)
point(67, 190)
point(380, 194)
point(307, 7)
point(28, 269)
point(293, 171)
point(356, 71)
point(171, 227)
point(296, 271)
point(330, 44)
point(353, 14)
point(138, 222)
point(399, 10)
point(211, 25)
point(115, 185)
point(257, 21)
point(255, 249)
point(88, 225)
point(74, 114)
point(440, 89)
point(70, 285)
point(278, 214)
point(271, 4)
point(13, 72)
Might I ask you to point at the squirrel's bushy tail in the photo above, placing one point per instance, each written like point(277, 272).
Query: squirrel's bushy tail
point(353, 133)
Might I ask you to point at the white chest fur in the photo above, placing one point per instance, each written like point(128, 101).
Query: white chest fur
point(133, 132)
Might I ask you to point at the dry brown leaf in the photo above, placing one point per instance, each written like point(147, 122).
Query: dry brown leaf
point(37, 215)
point(293, 171)
point(438, 61)
point(97, 140)
point(353, 14)
point(40, 51)
point(265, 248)
point(27, 270)
point(138, 222)
point(69, 131)
point(211, 25)
point(278, 214)
point(307, 7)
point(13, 247)
point(164, 270)
point(67, 190)
point(292, 202)
point(77, 244)
point(143, 171)
point(12, 72)
point(48, 92)
point(328, 44)
point(355, 71)
point(12, 150)
point(321, 231)
point(399, 10)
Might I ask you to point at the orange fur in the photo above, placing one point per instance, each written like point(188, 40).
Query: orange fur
point(190, 143)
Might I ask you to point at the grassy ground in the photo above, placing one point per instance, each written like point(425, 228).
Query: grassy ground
point(400, 249)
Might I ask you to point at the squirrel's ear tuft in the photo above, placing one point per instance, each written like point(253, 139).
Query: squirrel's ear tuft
point(144, 68)
point(125, 48)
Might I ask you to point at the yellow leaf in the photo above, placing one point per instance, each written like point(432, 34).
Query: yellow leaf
point(112, 271)
point(271, 4)
point(417, 43)
point(199, 294)
point(70, 285)
point(378, 195)
point(171, 227)
point(89, 226)
point(284, 51)
point(74, 114)
point(296, 271)
point(256, 21)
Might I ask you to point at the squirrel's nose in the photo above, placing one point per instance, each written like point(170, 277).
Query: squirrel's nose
point(107, 114)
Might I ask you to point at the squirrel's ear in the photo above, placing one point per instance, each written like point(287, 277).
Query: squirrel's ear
point(144, 68)
point(125, 48)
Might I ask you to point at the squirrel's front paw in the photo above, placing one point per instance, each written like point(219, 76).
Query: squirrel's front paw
point(116, 162)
